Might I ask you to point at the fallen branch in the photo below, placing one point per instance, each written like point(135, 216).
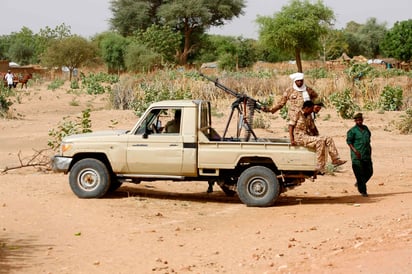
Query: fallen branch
point(39, 159)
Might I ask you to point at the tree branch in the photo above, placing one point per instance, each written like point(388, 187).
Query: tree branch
point(38, 159)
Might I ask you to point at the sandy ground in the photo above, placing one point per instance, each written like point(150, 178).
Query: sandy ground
point(167, 227)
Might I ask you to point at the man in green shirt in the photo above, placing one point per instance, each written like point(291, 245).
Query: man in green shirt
point(359, 138)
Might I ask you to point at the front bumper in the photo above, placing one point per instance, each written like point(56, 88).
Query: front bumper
point(61, 164)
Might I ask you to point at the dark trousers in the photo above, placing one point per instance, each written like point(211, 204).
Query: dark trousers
point(363, 171)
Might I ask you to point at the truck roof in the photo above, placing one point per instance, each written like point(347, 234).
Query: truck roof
point(176, 103)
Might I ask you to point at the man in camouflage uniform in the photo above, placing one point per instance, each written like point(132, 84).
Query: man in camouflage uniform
point(300, 134)
point(295, 95)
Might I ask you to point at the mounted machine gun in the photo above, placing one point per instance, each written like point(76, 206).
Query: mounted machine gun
point(244, 106)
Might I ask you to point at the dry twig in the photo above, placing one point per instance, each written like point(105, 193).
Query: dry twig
point(39, 159)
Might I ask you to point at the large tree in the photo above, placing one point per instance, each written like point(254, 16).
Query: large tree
point(372, 34)
point(364, 39)
point(333, 45)
point(113, 49)
point(72, 52)
point(188, 17)
point(296, 28)
point(398, 41)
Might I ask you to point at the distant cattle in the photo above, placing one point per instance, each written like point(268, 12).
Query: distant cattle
point(24, 79)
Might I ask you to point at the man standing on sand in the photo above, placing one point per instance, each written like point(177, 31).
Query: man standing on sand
point(296, 95)
point(359, 138)
point(9, 78)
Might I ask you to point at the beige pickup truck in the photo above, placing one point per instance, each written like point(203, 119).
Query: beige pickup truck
point(258, 170)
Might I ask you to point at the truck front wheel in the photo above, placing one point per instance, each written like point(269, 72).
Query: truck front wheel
point(258, 186)
point(89, 178)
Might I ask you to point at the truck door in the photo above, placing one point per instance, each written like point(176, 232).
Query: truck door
point(157, 145)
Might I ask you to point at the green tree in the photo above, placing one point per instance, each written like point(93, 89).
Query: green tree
point(371, 35)
point(130, 16)
point(47, 34)
point(365, 39)
point(25, 47)
point(231, 52)
point(397, 42)
point(113, 49)
point(21, 48)
point(72, 52)
point(296, 28)
point(333, 44)
point(188, 17)
point(352, 38)
point(141, 58)
point(162, 40)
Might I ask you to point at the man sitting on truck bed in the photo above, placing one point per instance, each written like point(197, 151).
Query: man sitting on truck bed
point(299, 133)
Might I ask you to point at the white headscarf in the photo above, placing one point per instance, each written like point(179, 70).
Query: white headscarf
point(299, 76)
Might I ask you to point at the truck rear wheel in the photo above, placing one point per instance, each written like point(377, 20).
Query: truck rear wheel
point(258, 186)
point(89, 178)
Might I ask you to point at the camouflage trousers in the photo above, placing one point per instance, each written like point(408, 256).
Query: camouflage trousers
point(322, 146)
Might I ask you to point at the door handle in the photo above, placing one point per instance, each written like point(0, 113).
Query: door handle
point(139, 145)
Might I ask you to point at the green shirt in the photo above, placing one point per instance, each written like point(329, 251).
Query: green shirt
point(361, 140)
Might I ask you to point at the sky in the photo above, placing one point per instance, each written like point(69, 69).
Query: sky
point(89, 17)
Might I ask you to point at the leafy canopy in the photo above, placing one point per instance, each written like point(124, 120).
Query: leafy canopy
point(190, 18)
point(71, 52)
point(296, 28)
point(397, 42)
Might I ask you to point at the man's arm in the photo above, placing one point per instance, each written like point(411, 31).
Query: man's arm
point(291, 136)
point(280, 104)
point(357, 153)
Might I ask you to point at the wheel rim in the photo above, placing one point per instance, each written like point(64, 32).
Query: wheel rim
point(88, 179)
point(258, 187)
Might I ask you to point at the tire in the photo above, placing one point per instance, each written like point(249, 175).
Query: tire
point(114, 184)
point(228, 192)
point(258, 186)
point(89, 178)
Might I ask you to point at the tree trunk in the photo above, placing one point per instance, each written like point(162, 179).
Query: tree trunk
point(298, 59)
point(186, 47)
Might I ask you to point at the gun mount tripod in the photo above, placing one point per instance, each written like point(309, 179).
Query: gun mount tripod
point(244, 106)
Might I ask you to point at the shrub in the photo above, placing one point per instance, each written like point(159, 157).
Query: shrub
point(343, 103)
point(94, 82)
point(4, 105)
point(74, 84)
point(55, 84)
point(69, 127)
point(405, 125)
point(317, 73)
point(359, 71)
point(157, 91)
point(122, 94)
point(391, 98)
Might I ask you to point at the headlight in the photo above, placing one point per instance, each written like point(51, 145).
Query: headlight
point(65, 147)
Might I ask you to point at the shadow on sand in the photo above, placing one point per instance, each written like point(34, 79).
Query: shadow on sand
point(217, 196)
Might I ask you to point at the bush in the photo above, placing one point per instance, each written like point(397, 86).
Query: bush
point(405, 125)
point(55, 84)
point(4, 105)
point(359, 71)
point(317, 73)
point(122, 94)
point(74, 84)
point(68, 127)
point(391, 98)
point(93, 82)
point(344, 104)
point(157, 91)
